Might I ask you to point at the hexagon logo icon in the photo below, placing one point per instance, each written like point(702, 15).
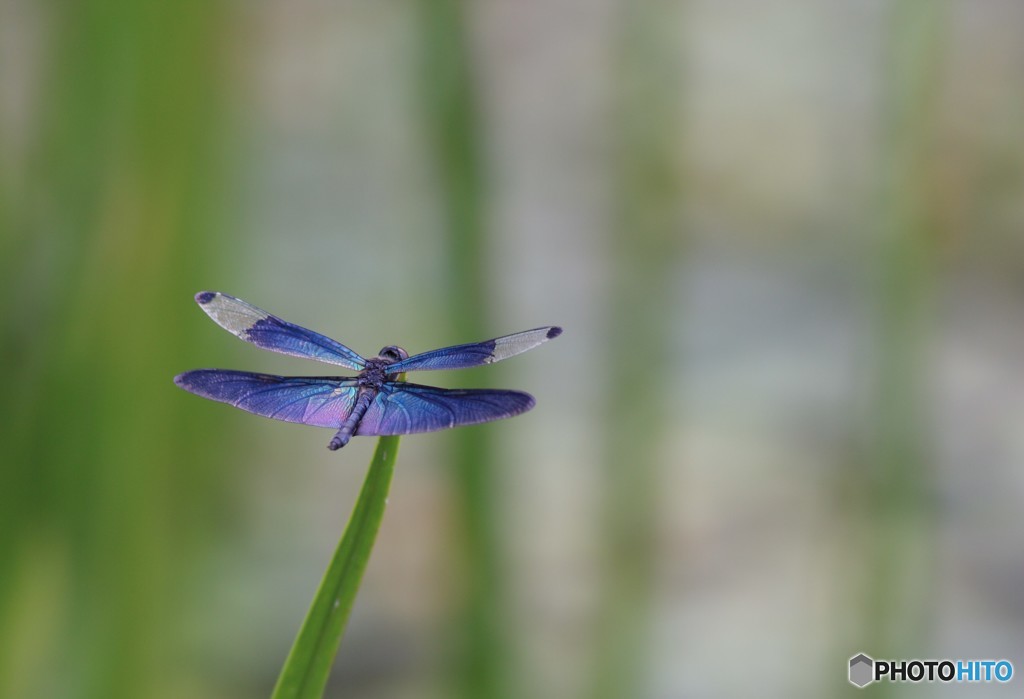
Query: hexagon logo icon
point(861, 670)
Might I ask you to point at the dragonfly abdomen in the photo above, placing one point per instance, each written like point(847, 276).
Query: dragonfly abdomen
point(348, 428)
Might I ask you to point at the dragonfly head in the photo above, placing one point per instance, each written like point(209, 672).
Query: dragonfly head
point(393, 354)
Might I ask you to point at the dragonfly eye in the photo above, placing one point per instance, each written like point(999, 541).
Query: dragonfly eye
point(394, 353)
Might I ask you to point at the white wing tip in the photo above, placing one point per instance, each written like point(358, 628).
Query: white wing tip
point(234, 315)
point(511, 345)
point(204, 297)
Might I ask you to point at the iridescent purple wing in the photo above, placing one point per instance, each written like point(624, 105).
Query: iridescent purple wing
point(407, 408)
point(310, 400)
point(269, 332)
point(476, 353)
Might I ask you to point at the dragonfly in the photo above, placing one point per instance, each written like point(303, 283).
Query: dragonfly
point(377, 401)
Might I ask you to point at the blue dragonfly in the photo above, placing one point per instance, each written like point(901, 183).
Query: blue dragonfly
point(376, 402)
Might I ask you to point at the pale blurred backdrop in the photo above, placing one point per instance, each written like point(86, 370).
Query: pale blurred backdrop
point(783, 425)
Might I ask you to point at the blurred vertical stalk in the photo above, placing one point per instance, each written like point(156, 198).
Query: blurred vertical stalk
point(116, 209)
point(643, 313)
point(897, 498)
point(449, 100)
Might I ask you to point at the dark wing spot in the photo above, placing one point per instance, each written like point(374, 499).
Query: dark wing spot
point(205, 297)
point(554, 332)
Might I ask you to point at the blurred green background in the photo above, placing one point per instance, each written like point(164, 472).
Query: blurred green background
point(783, 425)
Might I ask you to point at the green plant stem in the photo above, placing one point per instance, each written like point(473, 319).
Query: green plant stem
point(305, 672)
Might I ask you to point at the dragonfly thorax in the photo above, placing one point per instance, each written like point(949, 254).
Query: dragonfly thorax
point(375, 372)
